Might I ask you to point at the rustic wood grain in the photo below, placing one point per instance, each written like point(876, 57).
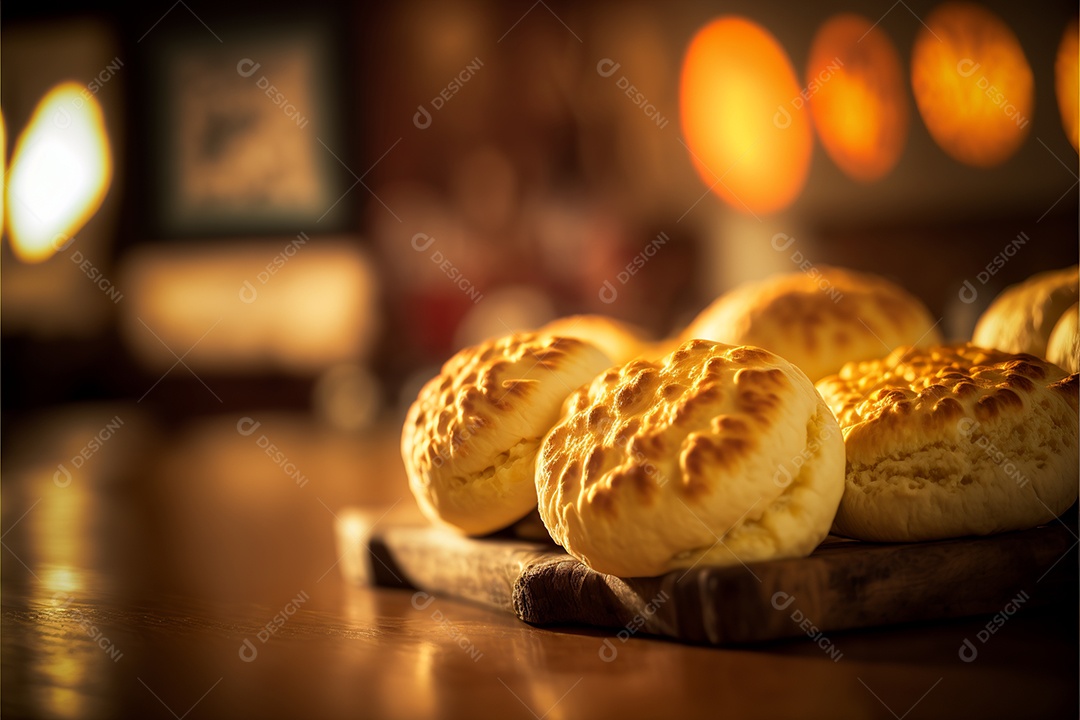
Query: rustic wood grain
point(842, 585)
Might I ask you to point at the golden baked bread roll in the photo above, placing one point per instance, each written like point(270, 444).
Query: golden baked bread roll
point(818, 321)
point(470, 439)
point(620, 341)
point(1064, 347)
point(713, 455)
point(952, 441)
point(1021, 318)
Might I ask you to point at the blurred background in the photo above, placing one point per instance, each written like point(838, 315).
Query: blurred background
point(313, 207)
point(237, 237)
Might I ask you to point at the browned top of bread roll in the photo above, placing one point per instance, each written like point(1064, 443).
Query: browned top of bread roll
point(954, 440)
point(470, 439)
point(819, 320)
point(653, 462)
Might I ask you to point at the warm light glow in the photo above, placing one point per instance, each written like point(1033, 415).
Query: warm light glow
point(857, 96)
point(743, 116)
point(973, 84)
point(1067, 80)
point(3, 163)
point(295, 304)
point(61, 167)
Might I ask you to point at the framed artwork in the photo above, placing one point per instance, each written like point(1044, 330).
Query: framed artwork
point(245, 132)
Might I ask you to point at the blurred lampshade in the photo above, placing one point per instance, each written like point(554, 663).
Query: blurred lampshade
point(857, 96)
point(60, 171)
point(746, 130)
point(972, 84)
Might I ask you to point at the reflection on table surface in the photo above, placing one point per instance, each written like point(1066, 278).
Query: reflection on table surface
point(192, 573)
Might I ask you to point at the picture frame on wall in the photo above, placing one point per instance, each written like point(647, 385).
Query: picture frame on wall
point(245, 132)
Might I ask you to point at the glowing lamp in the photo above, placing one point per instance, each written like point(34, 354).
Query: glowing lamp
point(859, 103)
point(743, 116)
point(60, 172)
point(972, 84)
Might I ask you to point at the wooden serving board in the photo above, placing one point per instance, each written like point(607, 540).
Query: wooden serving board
point(842, 585)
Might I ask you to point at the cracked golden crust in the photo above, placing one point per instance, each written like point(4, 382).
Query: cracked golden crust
point(654, 461)
point(818, 322)
point(1022, 317)
point(953, 440)
point(470, 438)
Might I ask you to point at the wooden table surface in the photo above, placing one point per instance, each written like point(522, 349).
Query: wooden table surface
point(185, 574)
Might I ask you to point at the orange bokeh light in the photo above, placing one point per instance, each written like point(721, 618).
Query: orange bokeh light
point(1067, 81)
point(748, 137)
point(857, 96)
point(973, 84)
